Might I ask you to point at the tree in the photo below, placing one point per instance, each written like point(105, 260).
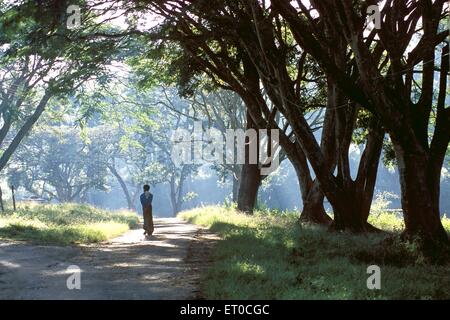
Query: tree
point(222, 109)
point(153, 131)
point(387, 65)
point(378, 65)
point(39, 62)
point(200, 53)
point(341, 115)
point(107, 141)
point(257, 49)
point(135, 134)
point(55, 163)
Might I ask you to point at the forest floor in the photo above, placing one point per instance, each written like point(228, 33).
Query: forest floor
point(164, 266)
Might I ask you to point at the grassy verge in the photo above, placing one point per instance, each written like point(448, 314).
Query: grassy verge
point(64, 223)
point(270, 256)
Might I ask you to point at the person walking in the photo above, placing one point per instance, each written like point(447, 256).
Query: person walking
point(146, 201)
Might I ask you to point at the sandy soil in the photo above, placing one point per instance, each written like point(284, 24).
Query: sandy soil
point(165, 266)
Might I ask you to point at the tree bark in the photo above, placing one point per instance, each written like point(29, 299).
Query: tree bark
point(250, 176)
point(248, 189)
point(361, 190)
point(420, 197)
point(313, 209)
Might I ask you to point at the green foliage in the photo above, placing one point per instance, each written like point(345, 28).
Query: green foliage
point(41, 59)
point(272, 256)
point(64, 224)
point(156, 66)
point(189, 196)
point(55, 163)
point(389, 159)
point(379, 215)
point(361, 128)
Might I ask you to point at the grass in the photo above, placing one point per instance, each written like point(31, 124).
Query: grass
point(271, 256)
point(64, 224)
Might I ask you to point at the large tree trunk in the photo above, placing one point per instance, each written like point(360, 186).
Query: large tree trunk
point(313, 210)
point(420, 197)
point(360, 191)
point(249, 186)
point(340, 190)
point(250, 176)
point(282, 96)
point(312, 196)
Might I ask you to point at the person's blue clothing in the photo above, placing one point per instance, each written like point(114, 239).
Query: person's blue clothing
point(146, 199)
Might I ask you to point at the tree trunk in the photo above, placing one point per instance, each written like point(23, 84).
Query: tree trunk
point(250, 176)
point(124, 187)
point(173, 196)
point(23, 131)
point(249, 186)
point(359, 193)
point(368, 168)
point(312, 197)
point(420, 197)
point(313, 210)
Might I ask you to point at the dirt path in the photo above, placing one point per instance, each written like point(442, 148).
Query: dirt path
point(165, 266)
